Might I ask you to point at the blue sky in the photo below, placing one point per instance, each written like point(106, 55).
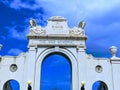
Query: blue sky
point(101, 16)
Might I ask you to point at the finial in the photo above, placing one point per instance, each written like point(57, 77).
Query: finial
point(32, 23)
point(29, 82)
point(29, 85)
point(83, 83)
point(113, 50)
point(81, 24)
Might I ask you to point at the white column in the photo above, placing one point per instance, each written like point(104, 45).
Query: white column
point(115, 61)
point(81, 66)
point(116, 74)
point(29, 74)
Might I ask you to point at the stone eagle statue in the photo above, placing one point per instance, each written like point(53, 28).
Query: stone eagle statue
point(32, 23)
point(81, 24)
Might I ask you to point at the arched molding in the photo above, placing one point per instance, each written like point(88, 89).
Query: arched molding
point(74, 65)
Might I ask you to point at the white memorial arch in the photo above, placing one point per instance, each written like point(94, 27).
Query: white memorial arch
point(58, 38)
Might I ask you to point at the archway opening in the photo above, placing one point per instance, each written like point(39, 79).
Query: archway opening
point(99, 85)
point(56, 73)
point(11, 85)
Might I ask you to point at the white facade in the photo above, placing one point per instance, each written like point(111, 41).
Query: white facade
point(57, 37)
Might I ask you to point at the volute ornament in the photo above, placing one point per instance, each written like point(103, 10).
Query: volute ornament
point(76, 32)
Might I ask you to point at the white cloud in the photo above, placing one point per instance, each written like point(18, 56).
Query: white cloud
point(14, 51)
point(64, 6)
point(17, 4)
point(20, 35)
point(99, 4)
point(78, 6)
point(74, 10)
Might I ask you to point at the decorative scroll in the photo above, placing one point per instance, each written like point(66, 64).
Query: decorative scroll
point(76, 32)
point(37, 31)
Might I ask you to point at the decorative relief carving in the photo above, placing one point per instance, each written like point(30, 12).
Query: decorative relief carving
point(57, 25)
point(76, 32)
point(37, 31)
point(42, 31)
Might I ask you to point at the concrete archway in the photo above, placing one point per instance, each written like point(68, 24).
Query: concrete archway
point(74, 65)
point(56, 72)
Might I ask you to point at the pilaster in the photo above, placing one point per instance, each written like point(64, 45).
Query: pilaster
point(115, 63)
point(81, 65)
point(30, 66)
